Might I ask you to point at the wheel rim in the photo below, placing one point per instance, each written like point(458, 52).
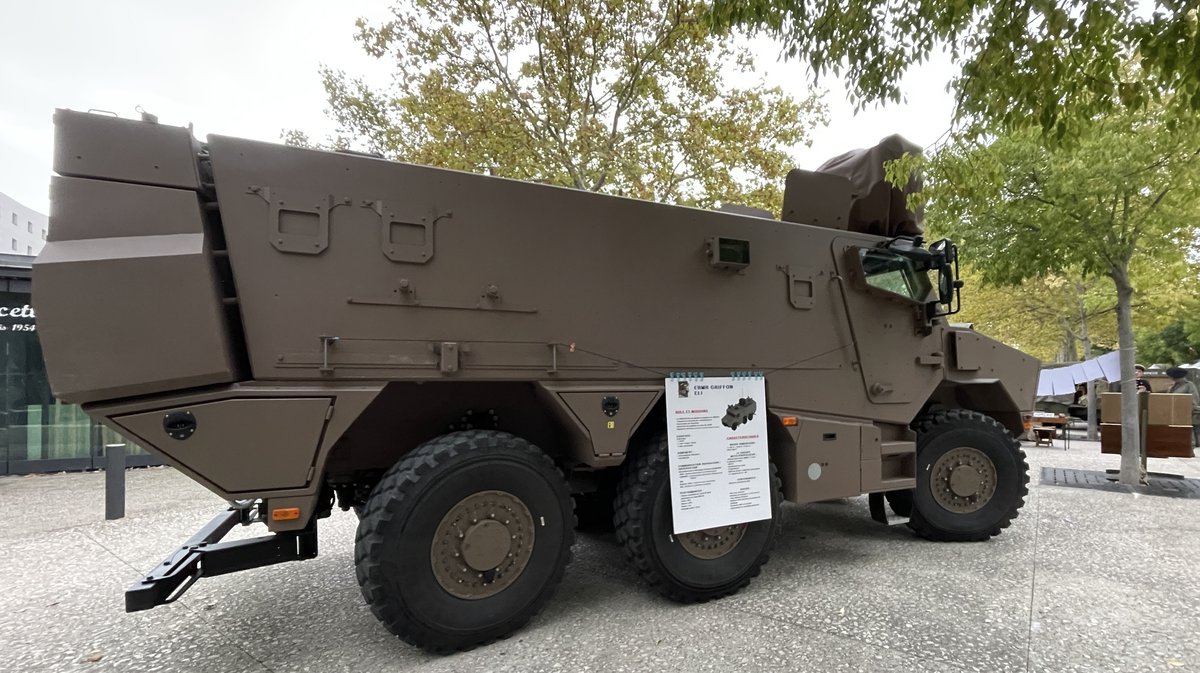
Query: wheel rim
point(963, 480)
point(482, 545)
point(712, 543)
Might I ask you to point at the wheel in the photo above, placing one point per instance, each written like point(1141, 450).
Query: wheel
point(901, 502)
point(464, 540)
point(693, 567)
point(972, 478)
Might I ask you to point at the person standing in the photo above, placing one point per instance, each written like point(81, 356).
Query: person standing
point(1143, 386)
point(1182, 385)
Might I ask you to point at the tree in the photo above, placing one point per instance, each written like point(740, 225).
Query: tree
point(621, 96)
point(1173, 344)
point(1057, 64)
point(1176, 338)
point(1054, 318)
point(1121, 203)
point(1063, 318)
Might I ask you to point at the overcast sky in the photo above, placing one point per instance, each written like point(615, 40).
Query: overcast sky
point(249, 69)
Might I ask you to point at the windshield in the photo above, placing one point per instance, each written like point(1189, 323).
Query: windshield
point(895, 273)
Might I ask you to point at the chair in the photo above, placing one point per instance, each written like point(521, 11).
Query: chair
point(1044, 436)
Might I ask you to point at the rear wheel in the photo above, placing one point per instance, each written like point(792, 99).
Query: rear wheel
point(464, 540)
point(972, 478)
point(691, 567)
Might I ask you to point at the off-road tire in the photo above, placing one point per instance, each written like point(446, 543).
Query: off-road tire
point(945, 430)
point(643, 525)
point(392, 549)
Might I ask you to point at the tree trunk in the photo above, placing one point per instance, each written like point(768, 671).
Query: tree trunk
point(1092, 426)
point(1085, 339)
point(1068, 352)
point(1131, 460)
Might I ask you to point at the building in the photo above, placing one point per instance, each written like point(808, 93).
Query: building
point(22, 229)
point(37, 432)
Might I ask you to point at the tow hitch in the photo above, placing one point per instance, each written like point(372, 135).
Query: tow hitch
point(204, 555)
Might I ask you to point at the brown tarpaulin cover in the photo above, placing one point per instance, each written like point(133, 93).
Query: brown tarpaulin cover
point(878, 207)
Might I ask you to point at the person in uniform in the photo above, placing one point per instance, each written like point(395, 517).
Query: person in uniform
point(1143, 386)
point(1182, 385)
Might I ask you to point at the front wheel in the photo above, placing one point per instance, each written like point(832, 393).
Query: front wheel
point(972, 478)
point(690, 567)
point(464, 540)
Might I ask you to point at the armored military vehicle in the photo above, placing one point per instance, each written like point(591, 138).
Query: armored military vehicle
point(740, 412)
point(456, 357)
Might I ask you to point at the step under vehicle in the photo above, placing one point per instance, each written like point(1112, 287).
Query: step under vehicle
point(462, 358)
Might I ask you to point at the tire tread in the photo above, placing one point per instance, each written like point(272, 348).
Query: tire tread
point(397, 492)
point(634, 496)
point(959, 418)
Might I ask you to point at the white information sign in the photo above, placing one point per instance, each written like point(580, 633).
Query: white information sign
point(717, 438)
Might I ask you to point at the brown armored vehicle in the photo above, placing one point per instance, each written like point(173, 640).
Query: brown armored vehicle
point(458, 357)
point(740, 412)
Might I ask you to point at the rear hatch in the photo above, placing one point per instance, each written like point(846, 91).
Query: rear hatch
point(132, 291)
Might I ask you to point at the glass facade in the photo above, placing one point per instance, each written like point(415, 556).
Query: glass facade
point(37, 432)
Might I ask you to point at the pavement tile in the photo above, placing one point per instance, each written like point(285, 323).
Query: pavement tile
point(37, 503)
point(66, 613)
point(1082, 581)
point(1087, 623)
point(965, 604)
point(591, 625)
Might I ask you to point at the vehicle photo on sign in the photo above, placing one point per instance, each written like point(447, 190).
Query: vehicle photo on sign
point(717, 443)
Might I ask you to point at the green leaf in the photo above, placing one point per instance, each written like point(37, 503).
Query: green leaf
point(627, 97)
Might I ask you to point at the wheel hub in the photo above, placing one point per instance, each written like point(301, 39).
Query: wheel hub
point(712, 543)
point(486, 544)
point(482, 544)
point(963, 480)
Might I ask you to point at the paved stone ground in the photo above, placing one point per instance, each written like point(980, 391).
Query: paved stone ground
point(1083, 581)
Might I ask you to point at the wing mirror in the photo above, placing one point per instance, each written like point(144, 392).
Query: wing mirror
point(945, 261)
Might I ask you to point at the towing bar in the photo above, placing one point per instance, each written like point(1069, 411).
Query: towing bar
point(204, 555)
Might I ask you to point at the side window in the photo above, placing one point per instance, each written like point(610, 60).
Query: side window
point(894, 274)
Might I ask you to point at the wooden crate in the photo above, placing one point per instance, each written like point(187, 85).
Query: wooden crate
point(1162, 441)
point(1170, 409)
point(1162, 408)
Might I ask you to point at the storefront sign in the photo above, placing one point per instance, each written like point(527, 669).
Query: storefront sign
point(17, 319)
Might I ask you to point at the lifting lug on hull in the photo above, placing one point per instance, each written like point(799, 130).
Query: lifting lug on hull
point(204, 555)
